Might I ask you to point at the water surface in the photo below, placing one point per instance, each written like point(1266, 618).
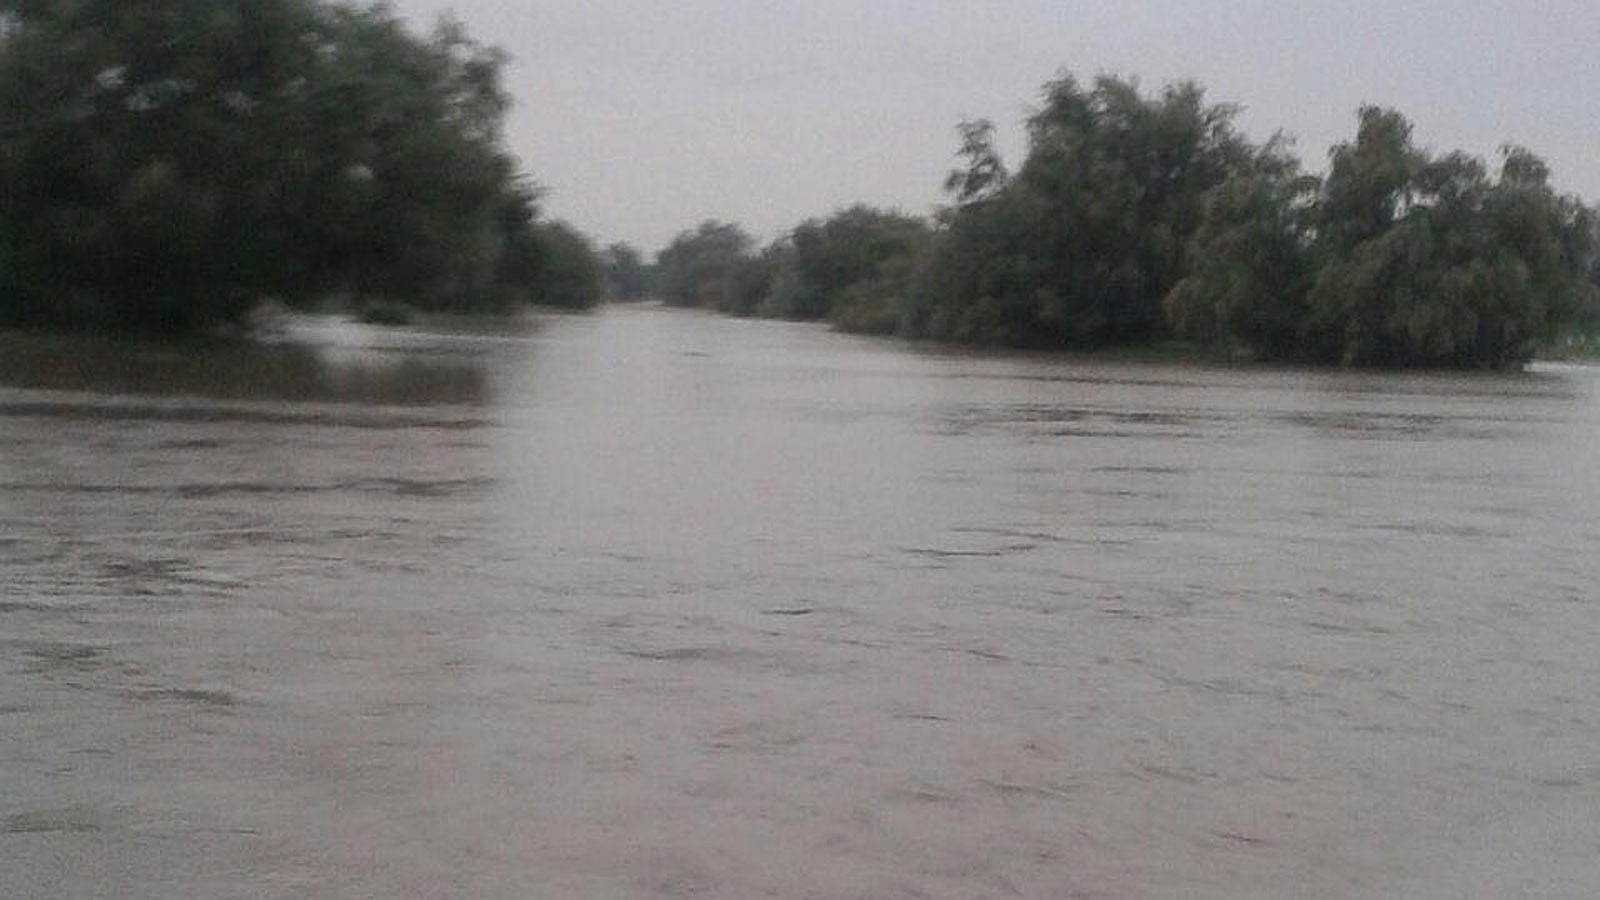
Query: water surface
point(645, 604)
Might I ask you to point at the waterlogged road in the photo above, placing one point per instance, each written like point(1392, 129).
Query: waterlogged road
point(644, 605)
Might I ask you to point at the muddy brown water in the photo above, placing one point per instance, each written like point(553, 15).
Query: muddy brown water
point(644, 604)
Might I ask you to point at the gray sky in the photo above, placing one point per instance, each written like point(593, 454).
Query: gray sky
point(643, 118)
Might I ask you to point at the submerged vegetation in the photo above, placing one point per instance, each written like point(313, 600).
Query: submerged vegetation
point(1137, 218)
point(168, 164)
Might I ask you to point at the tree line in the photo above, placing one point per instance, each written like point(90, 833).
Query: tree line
point(1136, 217)
point(168, 164)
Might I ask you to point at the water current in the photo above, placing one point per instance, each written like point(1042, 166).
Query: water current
point(646, 604)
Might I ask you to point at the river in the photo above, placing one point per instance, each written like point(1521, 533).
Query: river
point(650, 604)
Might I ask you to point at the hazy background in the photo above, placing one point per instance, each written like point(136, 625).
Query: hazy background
point(644, 118)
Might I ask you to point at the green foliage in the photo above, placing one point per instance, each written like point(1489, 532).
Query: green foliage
point(1369, 182)
point(1586, 321)
point(627, 278)
point(1442, 266)
point(1250, 261)
point(520, 260)
point(789, 293)
point(1401, 259)
point(877, 304)
point(570, 274)
point(168, 163)
point(984, 173)
point(753, 279)
point(1083, 244)
point(842, 264)
point(852, 267)
point(701, 267)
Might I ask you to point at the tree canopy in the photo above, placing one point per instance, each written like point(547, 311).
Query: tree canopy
point(847, 264)
point(1084, 242)
point(1398, 258)
point(1142, 216)
point(851, 267)
point(627, 277)
point(167, 164)
point(701, 267)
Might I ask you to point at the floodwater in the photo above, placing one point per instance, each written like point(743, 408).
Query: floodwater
point(648, 604)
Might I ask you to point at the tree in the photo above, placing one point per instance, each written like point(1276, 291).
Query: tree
point(1084, 243)
point(853, 267)
point(168, 163)
point(416, 126)
point(753, 278)
point(626, 275)
point(1140, 216)
point(1428, 261)
point(985, 173)
point(1400, 258)
point(570, 274)
point(700, 267)
point(1250, 260)
point(1370, 182)
point(833, 257)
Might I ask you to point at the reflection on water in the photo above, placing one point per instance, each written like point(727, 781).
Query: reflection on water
point(645, 604)
point(327, 362)
point(100, 410)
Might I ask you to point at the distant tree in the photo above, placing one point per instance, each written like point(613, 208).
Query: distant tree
point(789, 295)
point(879, 304)
point(700, 267)
point(626, 275)
point(853, 267)
point(848, 249)
point(570, 273)
point(753, 278)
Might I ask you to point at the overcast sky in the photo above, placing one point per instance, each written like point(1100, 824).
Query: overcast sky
point(643, 117)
